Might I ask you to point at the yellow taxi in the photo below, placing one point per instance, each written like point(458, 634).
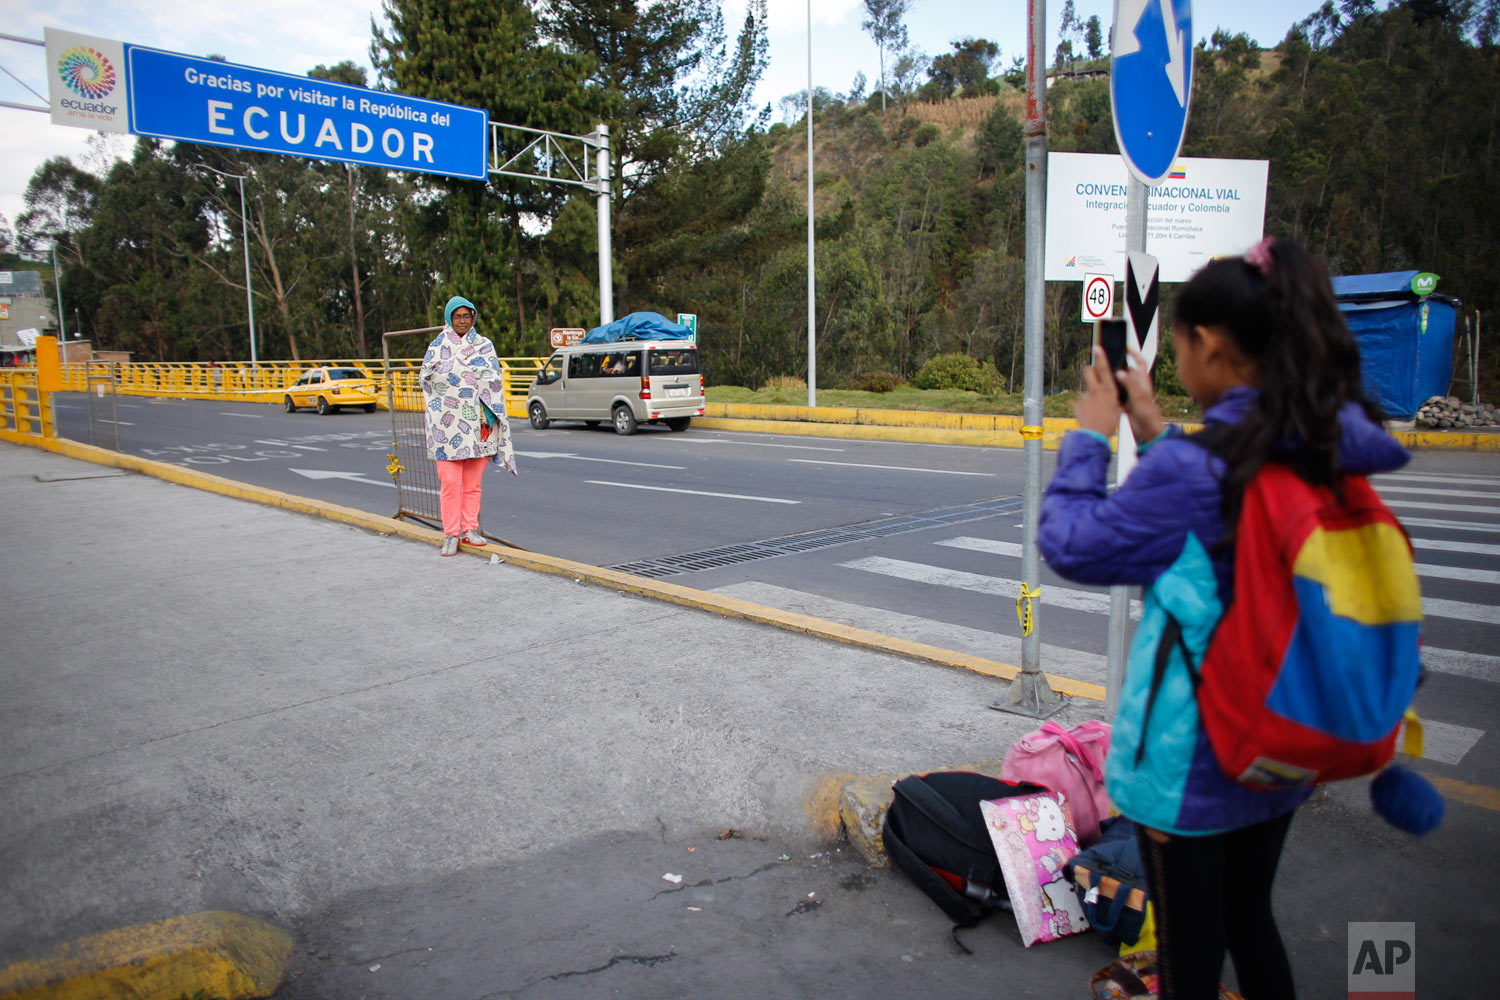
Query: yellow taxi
point(331, 388)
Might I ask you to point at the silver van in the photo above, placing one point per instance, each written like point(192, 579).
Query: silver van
point(627, 383)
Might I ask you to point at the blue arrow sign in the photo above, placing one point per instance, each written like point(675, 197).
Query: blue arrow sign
point(1151, 82)
point(175, 96)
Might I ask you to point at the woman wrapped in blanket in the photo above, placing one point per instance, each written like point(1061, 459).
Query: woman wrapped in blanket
point(1261, 346)
point(465, 417)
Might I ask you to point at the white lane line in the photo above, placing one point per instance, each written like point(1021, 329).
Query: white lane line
point(247, 416)
point(585, 458)
point(1447, 743)
point(283, 444)
point(940, 576)
point(757, 444)
point(129, 406)
point(990, 545)
point(1458, 573)
point(696, 493)
point(117, 423)
point(1464, 508)
point(1430, 491)
point(1442, 545)
point(1072, 663)
point(1435, 522)
point(1461, 663)
point(889, 468)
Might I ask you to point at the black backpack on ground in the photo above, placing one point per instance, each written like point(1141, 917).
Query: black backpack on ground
point(935, 833)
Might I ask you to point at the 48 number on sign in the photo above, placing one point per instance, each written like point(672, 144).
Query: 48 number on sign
point(1098, 297)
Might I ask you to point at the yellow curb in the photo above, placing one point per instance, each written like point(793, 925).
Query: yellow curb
point(864, 432)
point(213, 953)
point(1447, 440)
point(719, 604)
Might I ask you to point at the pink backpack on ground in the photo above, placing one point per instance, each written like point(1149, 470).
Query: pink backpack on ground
point(1070, 761)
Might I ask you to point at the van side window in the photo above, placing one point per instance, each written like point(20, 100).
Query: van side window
point(576, 365)
point(632, 364)
point(551, 371)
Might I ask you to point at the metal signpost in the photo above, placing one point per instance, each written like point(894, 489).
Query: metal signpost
point(1150, 87)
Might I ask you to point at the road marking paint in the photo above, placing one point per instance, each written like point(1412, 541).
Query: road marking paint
point(1441, 477)
point(1461, 663)
point(248, 416)
point(1431, 491)
point(939, 576)
point(1442, 545)
point(117, 423)
point(1466, 508)
point(1434, 522)
point(1457, 573)
point(1432, 607)
point(1463, 791)
point(889, 468)
point(353, 477)
point(1073, 663)
point(696, 493)
point(1447, 743)
point(586, 458)
point(990, 545)
point(758, 444)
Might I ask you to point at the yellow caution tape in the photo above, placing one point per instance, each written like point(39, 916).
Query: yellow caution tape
point(1023, 606)
point(1411, 743)
point(1031, 432)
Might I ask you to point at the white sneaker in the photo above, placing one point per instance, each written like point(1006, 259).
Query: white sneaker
point(473, 537)
point(450, 546)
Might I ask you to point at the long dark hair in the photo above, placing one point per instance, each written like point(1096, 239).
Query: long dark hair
point(1277, 305)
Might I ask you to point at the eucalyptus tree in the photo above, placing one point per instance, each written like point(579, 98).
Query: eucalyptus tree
point(885, 25)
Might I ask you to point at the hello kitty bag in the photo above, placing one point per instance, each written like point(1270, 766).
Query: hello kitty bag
point(1033, 837)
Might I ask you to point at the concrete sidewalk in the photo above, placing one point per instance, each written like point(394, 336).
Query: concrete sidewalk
point(453, 778)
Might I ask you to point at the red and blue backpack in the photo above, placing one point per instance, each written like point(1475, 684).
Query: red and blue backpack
point(1315, 661)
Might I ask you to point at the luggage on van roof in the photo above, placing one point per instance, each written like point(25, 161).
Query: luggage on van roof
point(638, 326)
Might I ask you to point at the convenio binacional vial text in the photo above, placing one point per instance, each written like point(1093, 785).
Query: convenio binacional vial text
point(199, 100)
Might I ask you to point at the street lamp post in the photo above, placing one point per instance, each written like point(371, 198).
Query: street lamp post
point(245, 238)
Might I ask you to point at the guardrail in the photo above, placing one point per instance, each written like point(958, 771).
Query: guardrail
point(24, 408)
point(266, 382)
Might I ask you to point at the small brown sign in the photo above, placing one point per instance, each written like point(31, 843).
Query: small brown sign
point(566, 336)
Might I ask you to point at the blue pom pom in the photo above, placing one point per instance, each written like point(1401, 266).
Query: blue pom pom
point(1407, 801)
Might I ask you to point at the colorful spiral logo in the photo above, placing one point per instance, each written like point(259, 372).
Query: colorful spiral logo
point(86, 72)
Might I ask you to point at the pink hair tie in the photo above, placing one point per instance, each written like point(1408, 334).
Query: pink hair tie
point(1259, 257)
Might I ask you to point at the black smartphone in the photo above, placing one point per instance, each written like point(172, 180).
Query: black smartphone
point(1110, 334)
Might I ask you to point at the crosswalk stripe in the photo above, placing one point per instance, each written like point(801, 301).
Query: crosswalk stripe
point(1073, 663)
point(1461, 663)
point(991, 545)
point(1430, 491)
point(1443, 545)
point(1095, 602)
point(1439, 477)
point(1466, 508)
point(1435, 522)
point(1447, 743)
point(1457, 573)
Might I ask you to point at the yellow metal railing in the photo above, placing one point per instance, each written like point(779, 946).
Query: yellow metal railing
point(24, 408)
point(266, 382)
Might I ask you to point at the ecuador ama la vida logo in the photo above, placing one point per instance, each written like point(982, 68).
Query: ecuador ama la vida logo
point(86, 72)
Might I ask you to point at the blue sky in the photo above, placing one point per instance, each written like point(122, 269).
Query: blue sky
point(293, 36)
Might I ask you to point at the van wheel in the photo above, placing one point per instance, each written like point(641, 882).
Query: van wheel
point(679, 423)
point(369, 407)
point(291, 407)
point(624, 420)
point(323, 408)
point(538, 414)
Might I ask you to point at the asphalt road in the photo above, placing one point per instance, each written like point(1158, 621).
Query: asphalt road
point(916, 540)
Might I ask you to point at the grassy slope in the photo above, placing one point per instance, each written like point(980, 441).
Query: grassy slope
point(940, 400)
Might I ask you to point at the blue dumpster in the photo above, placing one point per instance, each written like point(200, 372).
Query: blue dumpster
point(1405, 338)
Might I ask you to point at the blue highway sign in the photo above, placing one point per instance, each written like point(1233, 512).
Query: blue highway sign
point(187, 98)
point(1151, 82)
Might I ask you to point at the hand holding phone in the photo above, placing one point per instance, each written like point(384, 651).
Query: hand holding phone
point(1111, 334)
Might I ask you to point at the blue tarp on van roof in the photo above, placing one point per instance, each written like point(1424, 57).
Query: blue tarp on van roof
point(638, 326)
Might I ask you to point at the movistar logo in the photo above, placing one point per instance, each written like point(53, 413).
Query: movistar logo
point(1424, 283)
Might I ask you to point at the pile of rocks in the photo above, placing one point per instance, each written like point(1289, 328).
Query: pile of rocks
point(1447, 411)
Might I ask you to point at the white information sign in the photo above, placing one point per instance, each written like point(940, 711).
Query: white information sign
point(86, 81)
point(1205, 208)
point(1098, 297)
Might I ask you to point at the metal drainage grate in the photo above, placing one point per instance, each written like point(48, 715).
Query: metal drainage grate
point(821, 538)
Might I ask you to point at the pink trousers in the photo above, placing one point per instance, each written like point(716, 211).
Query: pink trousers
point(460, 485)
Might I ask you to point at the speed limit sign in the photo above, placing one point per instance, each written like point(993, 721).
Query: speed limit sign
point(1098, 297)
